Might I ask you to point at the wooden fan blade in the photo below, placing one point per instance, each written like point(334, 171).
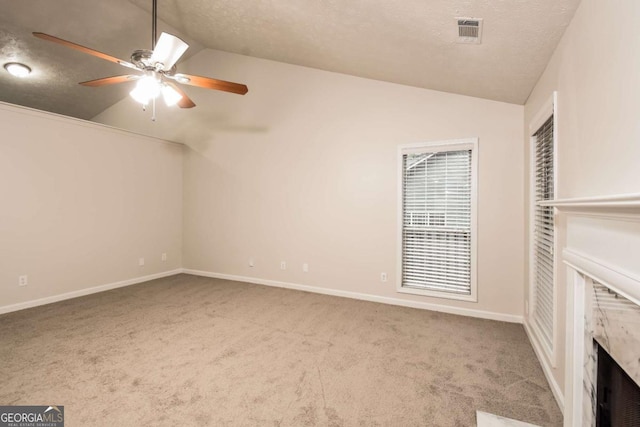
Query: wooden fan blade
point(209, 83)
point(185, 102)
point(83, 49)
point(109, 80)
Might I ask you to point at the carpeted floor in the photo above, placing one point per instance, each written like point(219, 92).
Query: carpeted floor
point(193, 351)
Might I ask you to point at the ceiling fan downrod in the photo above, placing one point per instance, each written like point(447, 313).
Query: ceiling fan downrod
point(154, 24)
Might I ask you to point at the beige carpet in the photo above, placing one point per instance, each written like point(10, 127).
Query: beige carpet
point(192, 351)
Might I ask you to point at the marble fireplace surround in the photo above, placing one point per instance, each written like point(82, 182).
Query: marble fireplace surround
point(612, 321)
point(601, 259)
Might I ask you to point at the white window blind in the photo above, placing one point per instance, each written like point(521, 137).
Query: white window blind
point(544, 234)
point(437, 195)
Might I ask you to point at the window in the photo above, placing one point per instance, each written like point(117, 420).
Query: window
point(438, 219)
point(543, 234)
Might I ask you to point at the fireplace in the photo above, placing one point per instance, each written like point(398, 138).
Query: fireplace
point(618, 396)
point(601, 244)
point(608, 359)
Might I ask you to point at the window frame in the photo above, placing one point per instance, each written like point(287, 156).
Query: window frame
point(430, 147)
point(548, 109)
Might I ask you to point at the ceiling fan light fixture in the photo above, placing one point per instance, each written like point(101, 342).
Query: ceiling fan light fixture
point(170, 95)
point(17, 69)
point(146, 89)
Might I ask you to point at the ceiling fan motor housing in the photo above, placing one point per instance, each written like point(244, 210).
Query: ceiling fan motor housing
point(141, 58)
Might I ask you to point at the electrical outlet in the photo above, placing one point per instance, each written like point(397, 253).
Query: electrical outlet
point(164, 257)
point(383, 277)
point(22, 280)
point(305, 267)
point(283, 265)
point(251, 262)
point(141, 262)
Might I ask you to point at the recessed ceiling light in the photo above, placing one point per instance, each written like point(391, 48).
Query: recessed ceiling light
point(17, 69)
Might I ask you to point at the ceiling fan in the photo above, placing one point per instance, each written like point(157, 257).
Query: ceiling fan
point(158, 67)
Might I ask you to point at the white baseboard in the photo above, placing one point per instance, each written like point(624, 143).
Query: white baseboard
point(87, 291)
point(548, 372)
point(361, 296)
point(315, 289)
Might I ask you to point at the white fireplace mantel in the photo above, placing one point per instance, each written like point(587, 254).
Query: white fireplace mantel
point(610, 202)
point(601, 244)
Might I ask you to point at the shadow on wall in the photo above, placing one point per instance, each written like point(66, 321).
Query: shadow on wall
point(193, 134)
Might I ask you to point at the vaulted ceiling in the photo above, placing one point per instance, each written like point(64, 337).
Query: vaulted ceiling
point(410, 42)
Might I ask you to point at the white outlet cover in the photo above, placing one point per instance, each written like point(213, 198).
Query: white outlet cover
point(251, 262)
point(283, 265)
point(141, 262)
point(23, 280)
point(383, 277)
point(305, 267)
point(164, 257)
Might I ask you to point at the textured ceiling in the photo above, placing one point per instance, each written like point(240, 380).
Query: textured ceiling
point(411, 42)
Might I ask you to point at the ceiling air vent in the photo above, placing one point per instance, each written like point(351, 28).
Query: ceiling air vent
point(469, 30)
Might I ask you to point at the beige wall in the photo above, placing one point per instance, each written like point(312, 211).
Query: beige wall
point(304, 169)
point(81, 203)
point(595, 70)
